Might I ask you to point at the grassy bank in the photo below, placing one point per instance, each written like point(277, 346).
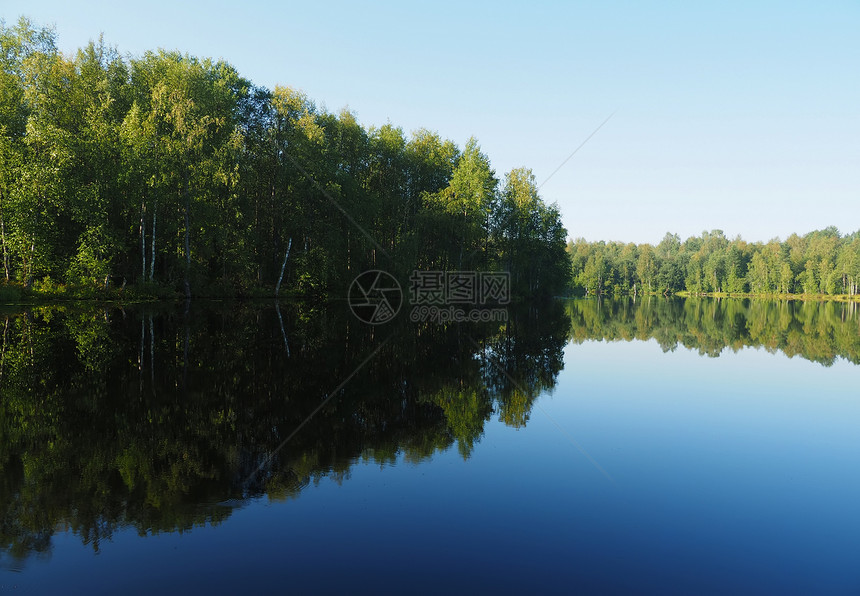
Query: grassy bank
point(768, 296)
point(774, 296)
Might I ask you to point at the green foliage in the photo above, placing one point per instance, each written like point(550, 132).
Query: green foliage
point(173, 170)
point(820, 262)
point(530, 238)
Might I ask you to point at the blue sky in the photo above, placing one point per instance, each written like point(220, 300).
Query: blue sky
point(741, 116)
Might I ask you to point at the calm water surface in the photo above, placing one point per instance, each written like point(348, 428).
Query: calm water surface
point(662, 446)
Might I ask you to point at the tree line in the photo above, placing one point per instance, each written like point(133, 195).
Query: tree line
point(175, 171)
point(821, 262)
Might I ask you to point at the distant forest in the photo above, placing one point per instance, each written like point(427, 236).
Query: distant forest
point(821, 262)
point(174, 173)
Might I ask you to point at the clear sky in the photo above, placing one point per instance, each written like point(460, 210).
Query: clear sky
point(740, 116)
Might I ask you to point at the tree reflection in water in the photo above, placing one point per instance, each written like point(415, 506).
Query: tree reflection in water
point(160, 419)
point(816, 330)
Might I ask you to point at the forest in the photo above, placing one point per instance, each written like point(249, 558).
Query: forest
point(819, 263)
point(167, 174)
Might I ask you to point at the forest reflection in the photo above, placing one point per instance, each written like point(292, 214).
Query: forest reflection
point(821, 331)
point(162, 418)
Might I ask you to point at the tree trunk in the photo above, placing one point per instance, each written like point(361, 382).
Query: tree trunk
point(283, 333)
point(185, 348)
point(28, 280)
point(152, 243)
point(283, 266)
point(5, 252)
point(151, 353)
point(3, 350)
point(143, 240)
point(140, 353)
point(187, 240)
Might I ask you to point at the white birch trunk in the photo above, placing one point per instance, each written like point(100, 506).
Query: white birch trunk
point(5, 252)
point(152, 243)
point(283, 266)
point(143, 241)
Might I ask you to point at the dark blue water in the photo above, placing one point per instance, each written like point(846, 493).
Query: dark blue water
point(632, 470)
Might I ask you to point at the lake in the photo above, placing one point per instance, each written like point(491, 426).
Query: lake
point(593, 446)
